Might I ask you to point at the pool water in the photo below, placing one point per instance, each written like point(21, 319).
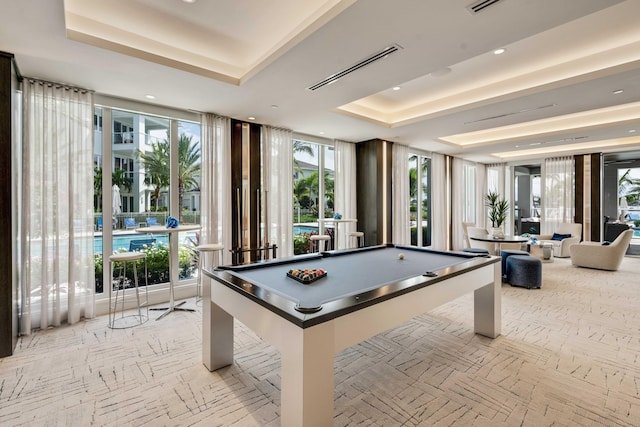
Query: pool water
point(301, 229)
point(121, 241)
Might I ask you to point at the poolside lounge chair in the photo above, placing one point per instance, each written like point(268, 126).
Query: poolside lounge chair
point(130, 223)
point(152, 221)
point(99, 224)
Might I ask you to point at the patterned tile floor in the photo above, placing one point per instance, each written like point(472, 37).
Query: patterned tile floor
point(568, 356)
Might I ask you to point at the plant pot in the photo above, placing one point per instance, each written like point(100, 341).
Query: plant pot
point(497, 233)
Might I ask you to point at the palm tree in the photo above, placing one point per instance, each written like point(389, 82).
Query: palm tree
point(629, 187)
point(188, 167)
point(97, 188)
point(118, 177)
point(301, 147)
point(156, 167)
point(157, 171)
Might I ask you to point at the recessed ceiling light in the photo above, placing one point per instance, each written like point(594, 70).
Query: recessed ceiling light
point(275, 107)
point(150, 97)
point(189, 1)
point(618, 91)
point(632, 131)
point(321, 133)
point(499, 51)
point(396, 88)
point(251, 118)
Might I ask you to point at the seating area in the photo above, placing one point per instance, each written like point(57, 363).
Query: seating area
point(567, 234)
point(601, 256)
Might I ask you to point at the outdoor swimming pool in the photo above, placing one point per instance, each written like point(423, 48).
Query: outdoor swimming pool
point(301, 229)
point(121, 241)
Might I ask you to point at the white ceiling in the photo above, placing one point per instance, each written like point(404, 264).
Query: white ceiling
point(551, 91)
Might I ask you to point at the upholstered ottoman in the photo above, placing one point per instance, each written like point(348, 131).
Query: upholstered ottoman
point(525, 271)
point(505, 255)
point(478, 251)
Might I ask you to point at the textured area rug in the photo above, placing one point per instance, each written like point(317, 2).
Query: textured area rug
point(634, 249)
point(567, 356)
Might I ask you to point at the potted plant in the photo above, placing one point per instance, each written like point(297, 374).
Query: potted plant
point(498, 209)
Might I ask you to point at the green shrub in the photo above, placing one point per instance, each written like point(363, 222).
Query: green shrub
point(157, 266)
point(301, 244)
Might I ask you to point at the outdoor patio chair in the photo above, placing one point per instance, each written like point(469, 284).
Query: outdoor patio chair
point(152, 221)
point(139, 244)
point(130, 223)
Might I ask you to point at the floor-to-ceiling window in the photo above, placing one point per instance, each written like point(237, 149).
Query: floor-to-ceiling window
point(470, 192)
point(419, 199)
point(138, 156)
point(312, 195)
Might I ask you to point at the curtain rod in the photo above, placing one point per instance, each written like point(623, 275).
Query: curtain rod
point(57, 85)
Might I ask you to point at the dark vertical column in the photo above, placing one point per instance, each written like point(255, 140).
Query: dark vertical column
point(8, 312)
point(245, 191)
point(373, 181)
point(597, 219)
point(255, 188)
point(236, 190)
point(579, 189)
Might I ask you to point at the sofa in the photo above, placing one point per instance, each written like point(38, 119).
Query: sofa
point(566, 234)
point(603, 256)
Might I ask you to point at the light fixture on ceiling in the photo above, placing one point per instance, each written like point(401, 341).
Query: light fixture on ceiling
point(275, 107)
point(511, 113)
point(555, 141)
point(150, 96)
point(321, 133)
point(363, 63)
point(396, 88)
point(618, 91)
point(480, 5)
point(251, 118)
point(499, 51)
point(189, 1)
point(632, 131)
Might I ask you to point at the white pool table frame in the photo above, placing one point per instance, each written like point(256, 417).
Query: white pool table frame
point(307, 354)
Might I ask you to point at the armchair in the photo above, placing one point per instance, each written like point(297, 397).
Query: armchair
point(561, 246)
point(596, 255)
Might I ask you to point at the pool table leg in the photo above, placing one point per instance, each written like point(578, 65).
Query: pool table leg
point(217, 332)
point(487, 306)
point(307, 376)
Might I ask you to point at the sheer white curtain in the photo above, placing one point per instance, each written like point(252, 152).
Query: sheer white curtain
point(558, 192)
point(400, 189)
point(500, 179)
point(344, 197)
point(459, 201)
point(481, 190)
point(439, 205)
point(58, 277)
point(277, 146)
point(215, 143)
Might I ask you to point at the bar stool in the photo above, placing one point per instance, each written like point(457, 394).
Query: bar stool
point(123, 258)
point(358, 235)
point(202, 249)
point(317, 238)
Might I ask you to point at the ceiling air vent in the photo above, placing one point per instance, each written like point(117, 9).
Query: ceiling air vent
point(481, 5)
point(369, 60)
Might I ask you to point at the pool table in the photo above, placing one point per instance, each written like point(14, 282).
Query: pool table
point(365, 291)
